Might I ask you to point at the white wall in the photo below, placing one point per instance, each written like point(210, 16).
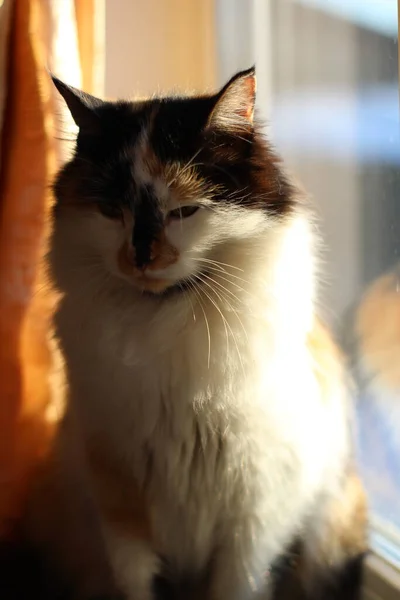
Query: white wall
point(156, 45)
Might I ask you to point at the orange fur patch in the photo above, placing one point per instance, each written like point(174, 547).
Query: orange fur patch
point(378, 329)
point(338, 539)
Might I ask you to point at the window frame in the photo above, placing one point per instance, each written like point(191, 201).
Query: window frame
point(381, 579)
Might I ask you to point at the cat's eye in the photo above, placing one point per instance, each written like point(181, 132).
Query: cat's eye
point(112, 211)
point(183, 212)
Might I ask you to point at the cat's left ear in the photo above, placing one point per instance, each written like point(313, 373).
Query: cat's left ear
point(234, 107)
point(83, 107)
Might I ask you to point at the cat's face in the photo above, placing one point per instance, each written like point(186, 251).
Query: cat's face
point(162, 191)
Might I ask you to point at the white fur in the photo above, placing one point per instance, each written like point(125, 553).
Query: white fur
point(240, 441)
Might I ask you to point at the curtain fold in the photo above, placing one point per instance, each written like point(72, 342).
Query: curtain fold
point(5, 18)
point(43, 34)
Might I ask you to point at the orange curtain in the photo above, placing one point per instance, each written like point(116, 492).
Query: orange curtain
point(42, 33)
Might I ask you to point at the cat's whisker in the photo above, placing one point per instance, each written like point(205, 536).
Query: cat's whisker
point(222, 287)
point(190, 301)
point(227, 302)
point(230, 292)
point(227, 295)
point(210, 264)
point(224, 320)
point(217, 262)
point(218, 269)
point(186, 166)
point(240, 191)
point(248, 141)
point(227, 323)
point(190, 161)
point(195, 290)
point(239, 198)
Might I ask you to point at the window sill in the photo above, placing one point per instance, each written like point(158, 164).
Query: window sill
point(381, 581)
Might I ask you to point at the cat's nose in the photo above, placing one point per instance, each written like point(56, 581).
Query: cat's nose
point(137, 261)
point(142, 263)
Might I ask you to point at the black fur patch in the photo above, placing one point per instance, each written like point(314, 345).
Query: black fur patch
point(25, 575)
point(344, 583)
point(178, 125)
point(148, 224)
point(235, 166)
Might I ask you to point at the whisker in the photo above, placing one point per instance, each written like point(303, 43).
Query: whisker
point(237, 286)
point(193, 287)
point(222, 287)
point(187, 166)
point(190, 301)
point(243, 139)
point(228, 325)
point(221, 263)
point(218, 269)
point(224, 319)
point(228, 302)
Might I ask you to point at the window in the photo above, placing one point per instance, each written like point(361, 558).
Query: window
point(328, 72)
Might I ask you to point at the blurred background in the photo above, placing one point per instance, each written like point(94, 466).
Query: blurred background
point(328, 95)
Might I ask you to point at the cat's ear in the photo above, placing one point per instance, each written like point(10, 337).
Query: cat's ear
point(234, 107)
point(82, 106)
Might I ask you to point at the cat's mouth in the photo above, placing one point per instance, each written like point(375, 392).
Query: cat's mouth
point(151, 284)
point(167, 288)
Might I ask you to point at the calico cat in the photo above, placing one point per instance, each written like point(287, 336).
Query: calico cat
point(212, 404)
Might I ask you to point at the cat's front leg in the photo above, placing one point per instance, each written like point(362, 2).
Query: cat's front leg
point(241, 568)
point(134, 563)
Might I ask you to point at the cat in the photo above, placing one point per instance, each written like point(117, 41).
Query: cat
point(212, 403)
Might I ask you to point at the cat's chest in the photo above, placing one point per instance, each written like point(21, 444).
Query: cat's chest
point(123, 384)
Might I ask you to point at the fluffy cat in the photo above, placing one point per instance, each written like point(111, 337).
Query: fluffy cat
point(212, 404)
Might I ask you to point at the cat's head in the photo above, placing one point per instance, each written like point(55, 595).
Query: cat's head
point(162, 191)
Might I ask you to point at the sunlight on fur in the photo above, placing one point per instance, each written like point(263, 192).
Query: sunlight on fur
point(215, 437)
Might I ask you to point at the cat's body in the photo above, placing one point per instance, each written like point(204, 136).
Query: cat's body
point(212, 447)
point(213, 406)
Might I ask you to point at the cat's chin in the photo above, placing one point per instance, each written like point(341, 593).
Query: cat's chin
point(163, 288)
point(152, 286)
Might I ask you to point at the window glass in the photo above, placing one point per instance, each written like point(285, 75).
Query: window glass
point(328, 73)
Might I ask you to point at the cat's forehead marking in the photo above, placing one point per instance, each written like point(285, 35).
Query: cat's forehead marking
point(147, 168)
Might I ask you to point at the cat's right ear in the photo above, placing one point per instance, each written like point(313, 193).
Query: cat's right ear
point(82, 106)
